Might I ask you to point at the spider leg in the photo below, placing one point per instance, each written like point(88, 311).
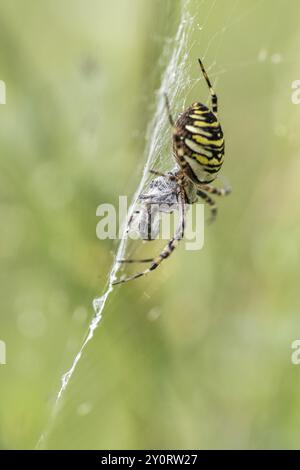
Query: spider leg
point(164, 175)
point(149, 220)
point(214, 98)
point(157, 173)
point(168, 108)
point(211, 203)
point(125, 260)
point(130, 220)
point(148, 235)
point(168, 249)
point(217, 191)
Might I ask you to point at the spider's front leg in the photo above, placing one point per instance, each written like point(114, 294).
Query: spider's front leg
point(164, 175)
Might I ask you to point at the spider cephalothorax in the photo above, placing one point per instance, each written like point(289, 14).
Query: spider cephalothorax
point(198, 149)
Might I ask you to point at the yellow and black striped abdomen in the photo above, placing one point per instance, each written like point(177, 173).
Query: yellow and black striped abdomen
point(199, 143)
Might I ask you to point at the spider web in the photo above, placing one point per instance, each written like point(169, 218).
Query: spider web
point(179, 83)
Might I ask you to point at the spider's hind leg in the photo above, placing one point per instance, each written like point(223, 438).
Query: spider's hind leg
point(213, 206)
point(217, 191)
point(166, 252)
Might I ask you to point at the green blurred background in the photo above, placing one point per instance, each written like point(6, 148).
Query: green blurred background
point(197, 355)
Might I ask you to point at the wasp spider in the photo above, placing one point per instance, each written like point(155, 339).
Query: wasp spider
point(198, 149)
